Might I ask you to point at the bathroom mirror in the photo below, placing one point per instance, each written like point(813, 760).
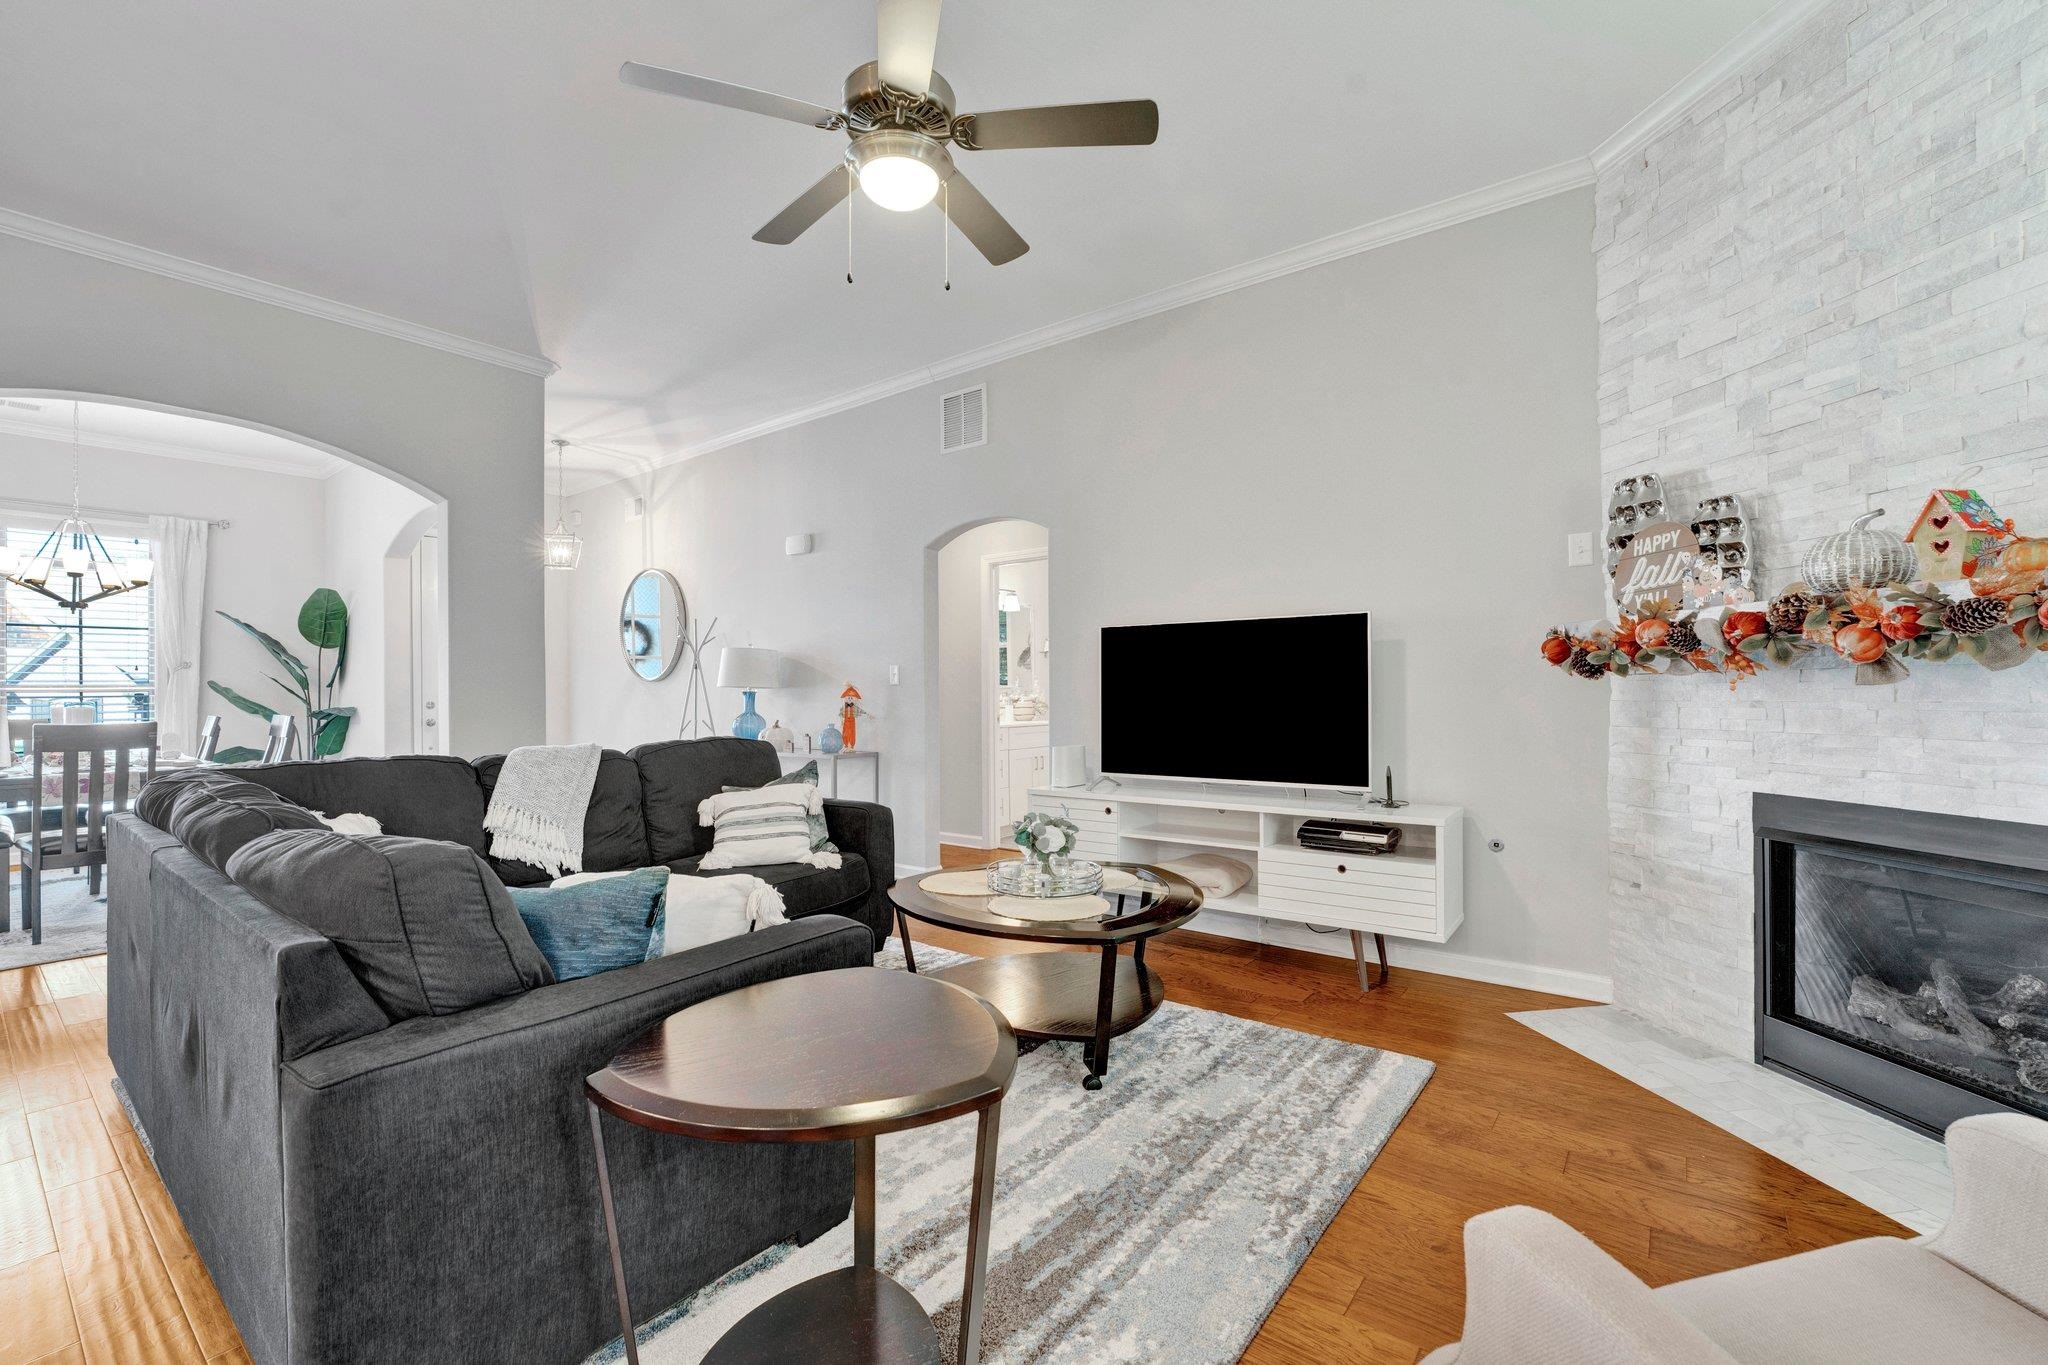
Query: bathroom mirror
point(652, 621)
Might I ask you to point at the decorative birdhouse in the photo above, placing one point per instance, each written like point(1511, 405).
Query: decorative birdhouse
point(1952, 531)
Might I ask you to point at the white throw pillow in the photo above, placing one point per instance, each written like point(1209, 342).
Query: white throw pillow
point(703, 910)
point(354, 822)
point(761, 827)
point(1217, 875)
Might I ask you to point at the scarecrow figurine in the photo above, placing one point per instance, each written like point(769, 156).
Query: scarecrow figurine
point(850, 707)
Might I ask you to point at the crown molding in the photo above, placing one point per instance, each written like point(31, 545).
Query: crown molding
point(170, 450)
point(1770, 29)
point(1507, 194)
point(30, 228)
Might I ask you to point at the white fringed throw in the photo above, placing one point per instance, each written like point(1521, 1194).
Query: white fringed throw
point(537, 808)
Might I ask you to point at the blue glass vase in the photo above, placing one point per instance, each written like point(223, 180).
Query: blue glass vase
point(830, 741)
point(749, 723)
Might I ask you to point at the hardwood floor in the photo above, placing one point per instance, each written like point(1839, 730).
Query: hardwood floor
point(1509, 1118)
point(95, 1267)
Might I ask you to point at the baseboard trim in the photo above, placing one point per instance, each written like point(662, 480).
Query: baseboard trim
point(1422, 957)
point(961, 840)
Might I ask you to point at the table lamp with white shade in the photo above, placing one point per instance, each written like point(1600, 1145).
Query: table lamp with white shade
point(750, 670)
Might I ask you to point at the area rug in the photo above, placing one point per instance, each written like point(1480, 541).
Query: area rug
point(1157, 1219)
point(74, 923)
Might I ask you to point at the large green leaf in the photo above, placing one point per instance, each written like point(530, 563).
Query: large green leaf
point(290, 662)
point(323, 620)
point(330, 729)
point(238, 755)
point(237, 700)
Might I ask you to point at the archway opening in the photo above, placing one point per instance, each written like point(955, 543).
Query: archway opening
point(992, 680)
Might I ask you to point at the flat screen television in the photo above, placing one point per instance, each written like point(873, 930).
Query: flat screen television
point(1279, 701)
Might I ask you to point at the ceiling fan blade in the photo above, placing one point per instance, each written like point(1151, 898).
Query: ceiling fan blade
point(1118, 123)
point(807, 208)
point(708, 91)
point(979, 222)
point(906, 37)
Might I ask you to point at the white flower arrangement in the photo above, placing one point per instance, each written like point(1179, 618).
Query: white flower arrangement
point(1045, 837)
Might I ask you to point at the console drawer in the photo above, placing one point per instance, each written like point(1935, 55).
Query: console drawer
point(1347, 890)
point(1371, 915)
point(1383, 868)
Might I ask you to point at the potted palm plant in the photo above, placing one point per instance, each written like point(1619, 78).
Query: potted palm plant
point(323, 624)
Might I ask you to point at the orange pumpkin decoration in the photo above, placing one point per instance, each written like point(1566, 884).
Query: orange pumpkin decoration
point(1860, 643)
point(2017, 566)
point(1740, 625)
point(1556, 649)
point(1901, 623)
point(1651, 634)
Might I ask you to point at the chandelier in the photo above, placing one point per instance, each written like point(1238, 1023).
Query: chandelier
point(74, 551)
point(561, 548)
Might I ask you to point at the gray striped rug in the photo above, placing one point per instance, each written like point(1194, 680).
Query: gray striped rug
point(1155, 1220)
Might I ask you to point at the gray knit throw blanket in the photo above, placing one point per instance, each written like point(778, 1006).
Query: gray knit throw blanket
point(537, 808)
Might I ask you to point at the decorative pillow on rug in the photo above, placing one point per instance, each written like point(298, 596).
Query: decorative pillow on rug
point(821, 839)
point(425, 925)
point(701, 910)
point(594, 922)
point(761, 827)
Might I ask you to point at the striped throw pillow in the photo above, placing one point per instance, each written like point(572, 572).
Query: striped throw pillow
point(768, 825)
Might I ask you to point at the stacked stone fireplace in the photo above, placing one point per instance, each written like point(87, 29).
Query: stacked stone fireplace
point(1902, 957)
point(1815, 291)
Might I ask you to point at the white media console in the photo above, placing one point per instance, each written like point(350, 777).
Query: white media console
point(1417, 892)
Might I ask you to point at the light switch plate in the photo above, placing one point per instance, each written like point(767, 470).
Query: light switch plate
point(895, 675)
point(1578, 548)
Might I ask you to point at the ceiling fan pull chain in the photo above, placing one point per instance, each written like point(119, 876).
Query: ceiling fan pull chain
point(849, 223)
point(946, 230)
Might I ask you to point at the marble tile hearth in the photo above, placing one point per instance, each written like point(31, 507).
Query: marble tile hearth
point(1892, 1169)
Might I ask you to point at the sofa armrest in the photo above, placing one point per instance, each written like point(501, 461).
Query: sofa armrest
point(870, 830)
point(2000, 1164)
point(1537, 1292)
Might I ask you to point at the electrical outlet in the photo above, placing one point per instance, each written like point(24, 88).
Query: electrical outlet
point(895, 675)
point(1578, 548)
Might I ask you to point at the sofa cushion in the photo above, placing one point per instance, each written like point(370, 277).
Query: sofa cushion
point(805, 890)
point(423, 923)
point(424, 796)
point(614, 835)
point(678, 773)
point(1882, 1298)
point(214, 812)
point(594, 922)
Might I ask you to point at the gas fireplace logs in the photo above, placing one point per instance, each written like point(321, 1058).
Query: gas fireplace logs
point(2009, 1025)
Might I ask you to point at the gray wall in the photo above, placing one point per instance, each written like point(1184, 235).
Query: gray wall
point(1407, 431)
point(459, 429)
point(1823, 291)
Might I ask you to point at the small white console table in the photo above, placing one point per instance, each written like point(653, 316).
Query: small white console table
point(1417, 892)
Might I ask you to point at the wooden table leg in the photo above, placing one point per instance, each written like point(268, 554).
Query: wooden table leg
point(1105, 1006)
point(864, 1202)
point(1365, 982)
point(903, 937)
point(611, 1233)
point(977, 1233)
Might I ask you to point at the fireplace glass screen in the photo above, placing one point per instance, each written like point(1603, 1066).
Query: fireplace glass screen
point(1929, 965)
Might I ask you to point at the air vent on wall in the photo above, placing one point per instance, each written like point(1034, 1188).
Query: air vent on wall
point(963, 419)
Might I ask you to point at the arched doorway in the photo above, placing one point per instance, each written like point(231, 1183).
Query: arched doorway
point(243, 519)
point(991, 680)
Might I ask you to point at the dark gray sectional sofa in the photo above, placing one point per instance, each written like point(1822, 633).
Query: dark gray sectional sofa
point(364, 1190)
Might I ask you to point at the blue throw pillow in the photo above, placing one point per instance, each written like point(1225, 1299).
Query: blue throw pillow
point(593, 926)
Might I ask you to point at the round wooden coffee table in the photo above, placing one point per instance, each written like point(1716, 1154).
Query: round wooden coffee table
point(1068, 997)
point(864, 1051)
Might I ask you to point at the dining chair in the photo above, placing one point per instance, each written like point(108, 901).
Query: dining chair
point(283, 740)
point(209, 739)
point(80, 837)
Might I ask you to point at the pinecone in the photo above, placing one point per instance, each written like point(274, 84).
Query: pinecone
point(1975, 615)
point(1788, 614)
point(1583, 665)
point(1682, 639)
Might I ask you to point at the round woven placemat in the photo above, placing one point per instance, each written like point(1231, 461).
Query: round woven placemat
point(968, 882)
point(1048, 909)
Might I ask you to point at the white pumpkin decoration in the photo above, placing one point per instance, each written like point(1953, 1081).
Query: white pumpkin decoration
point(1860, 557)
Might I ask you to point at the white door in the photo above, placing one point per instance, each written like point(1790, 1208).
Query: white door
point(427, 736)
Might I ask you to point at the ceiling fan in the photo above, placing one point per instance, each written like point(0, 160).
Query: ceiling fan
point(898, 116)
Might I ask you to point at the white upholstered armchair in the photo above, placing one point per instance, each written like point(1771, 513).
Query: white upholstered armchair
point(1539, 1293)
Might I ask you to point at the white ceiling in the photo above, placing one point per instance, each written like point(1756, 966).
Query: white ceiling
point(144, 431)
point(477, 167)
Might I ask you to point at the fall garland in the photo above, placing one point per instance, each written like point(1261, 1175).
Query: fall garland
point(1877, 629)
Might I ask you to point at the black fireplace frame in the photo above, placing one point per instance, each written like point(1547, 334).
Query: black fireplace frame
point(2000, 851)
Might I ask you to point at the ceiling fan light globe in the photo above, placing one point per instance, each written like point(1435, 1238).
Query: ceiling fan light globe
point(899, 183)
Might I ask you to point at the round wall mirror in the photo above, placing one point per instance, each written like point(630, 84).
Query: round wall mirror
point(652, 620)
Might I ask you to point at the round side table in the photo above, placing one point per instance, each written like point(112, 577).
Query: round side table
point(947, 1053)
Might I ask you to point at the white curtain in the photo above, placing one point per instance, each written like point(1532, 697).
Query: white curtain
point(180, 617)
